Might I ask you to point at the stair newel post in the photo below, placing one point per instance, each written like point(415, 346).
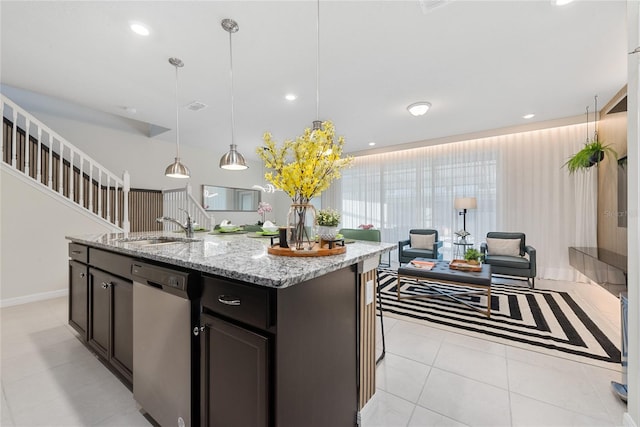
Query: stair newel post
point(14, 137)
point(39, 156)
point(50, 169)
point(27, 146)
point(126, 187)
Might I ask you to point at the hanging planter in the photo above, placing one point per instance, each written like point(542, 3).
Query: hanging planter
point(591, 154)
point(593, 151)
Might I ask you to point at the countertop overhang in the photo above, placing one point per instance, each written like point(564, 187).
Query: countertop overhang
point(234, 256)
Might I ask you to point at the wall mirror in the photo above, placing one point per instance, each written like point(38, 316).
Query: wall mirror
point(216, 198)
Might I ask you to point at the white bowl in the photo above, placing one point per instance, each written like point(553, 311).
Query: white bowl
point(228, 227)
point(271, 229)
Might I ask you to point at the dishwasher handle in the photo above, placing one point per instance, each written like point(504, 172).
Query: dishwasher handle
point(229, 300)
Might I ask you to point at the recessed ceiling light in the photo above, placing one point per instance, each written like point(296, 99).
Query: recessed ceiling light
point(371, 144)
point(130, 110)
point(419, 108)
point(561, 2)
point(290, 97)
point(139, 28)
point(529, 116)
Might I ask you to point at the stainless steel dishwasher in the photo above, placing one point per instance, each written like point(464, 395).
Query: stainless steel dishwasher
point(165, 347)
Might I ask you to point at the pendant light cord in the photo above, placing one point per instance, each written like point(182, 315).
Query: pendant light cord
point(177, 119)
point(231, 74)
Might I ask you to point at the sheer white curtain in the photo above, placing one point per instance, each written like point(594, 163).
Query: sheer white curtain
point(518, 181)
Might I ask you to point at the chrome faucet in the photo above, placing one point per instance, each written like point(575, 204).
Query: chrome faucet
point(187, 227)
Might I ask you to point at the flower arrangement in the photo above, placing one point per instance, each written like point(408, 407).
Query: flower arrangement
point(263, 208)
point(305, 167)
point(328, 217)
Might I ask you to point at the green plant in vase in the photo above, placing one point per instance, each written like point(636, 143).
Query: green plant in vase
point(328, 220)
point(591, 154)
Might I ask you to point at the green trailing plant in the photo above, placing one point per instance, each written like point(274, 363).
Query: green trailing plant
point(472, 254)
point(591, 154)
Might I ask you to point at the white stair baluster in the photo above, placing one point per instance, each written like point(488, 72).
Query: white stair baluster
point(71, 175)
point(39, 156)
point(27, 146)
point(14, 125)
point(61, 168)
point(50, 169)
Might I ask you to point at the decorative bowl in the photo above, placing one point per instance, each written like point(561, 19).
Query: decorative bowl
point(228, 227)
point(270, 229)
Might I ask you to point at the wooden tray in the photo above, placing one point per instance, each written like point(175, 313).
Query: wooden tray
point(460, 264)
point(316, 251)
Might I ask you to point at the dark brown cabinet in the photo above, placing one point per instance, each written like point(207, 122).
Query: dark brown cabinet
point(235, 383)
point(78, 297)
point(110, 328)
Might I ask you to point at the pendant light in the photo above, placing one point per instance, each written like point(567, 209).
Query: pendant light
point(177, 169)
point(232, 160)
point(317, 124)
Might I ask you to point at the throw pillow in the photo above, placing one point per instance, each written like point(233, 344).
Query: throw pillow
point(422, 241)
point(509, 247)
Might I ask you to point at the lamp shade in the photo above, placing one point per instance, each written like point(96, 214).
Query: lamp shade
point(233, 160)
point(177, 170)
point(461, 203)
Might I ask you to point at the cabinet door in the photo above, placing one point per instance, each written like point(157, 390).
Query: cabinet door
point(78, 297)
point(99, 311)
point(235, 381)
point(121, 351)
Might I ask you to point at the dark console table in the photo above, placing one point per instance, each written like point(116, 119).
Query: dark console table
point(607, 268)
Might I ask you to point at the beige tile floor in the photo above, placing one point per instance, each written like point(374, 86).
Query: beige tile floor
point(429, 377)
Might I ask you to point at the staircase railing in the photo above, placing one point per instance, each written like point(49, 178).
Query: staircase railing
point(181, 198)
point(29, 146)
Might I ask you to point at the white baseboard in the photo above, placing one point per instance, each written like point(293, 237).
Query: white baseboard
point(627, 421)
point(33, 298)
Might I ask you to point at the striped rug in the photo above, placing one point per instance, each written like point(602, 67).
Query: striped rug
point(547, 321)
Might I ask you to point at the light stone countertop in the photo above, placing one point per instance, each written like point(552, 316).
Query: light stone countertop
point(234, 256)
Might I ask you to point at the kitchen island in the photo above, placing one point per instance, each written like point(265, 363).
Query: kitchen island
point(278, 341)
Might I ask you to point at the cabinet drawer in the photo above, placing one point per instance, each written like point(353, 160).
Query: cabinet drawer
point(240, 302)
point(113, 263)
point(78, 252)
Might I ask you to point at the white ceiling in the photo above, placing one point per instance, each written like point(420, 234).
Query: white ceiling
point(482, 65)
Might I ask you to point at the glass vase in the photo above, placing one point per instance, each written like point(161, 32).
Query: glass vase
point(302, 226)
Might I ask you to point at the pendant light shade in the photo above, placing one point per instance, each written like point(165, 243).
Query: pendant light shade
point(232, 160)
point(177, 169)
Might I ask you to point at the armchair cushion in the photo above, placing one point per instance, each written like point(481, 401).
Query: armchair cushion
point(422, 241)
point(507, 247)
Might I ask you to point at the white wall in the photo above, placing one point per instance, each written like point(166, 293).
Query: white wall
point(33, 245)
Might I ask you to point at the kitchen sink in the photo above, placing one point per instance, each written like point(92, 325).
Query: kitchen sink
point(156, 240)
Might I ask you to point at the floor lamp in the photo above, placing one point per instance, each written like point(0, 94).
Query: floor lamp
point(462, 204)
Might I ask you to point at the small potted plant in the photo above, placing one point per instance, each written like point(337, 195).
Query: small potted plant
point(328, 220)
point(472, 256)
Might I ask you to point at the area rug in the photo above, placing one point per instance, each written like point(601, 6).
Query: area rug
point(546, 321)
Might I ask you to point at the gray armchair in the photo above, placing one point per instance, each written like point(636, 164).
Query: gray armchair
point(407, 251)
point(509, 258)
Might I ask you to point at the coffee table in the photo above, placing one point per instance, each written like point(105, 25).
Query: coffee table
point(442, 274)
